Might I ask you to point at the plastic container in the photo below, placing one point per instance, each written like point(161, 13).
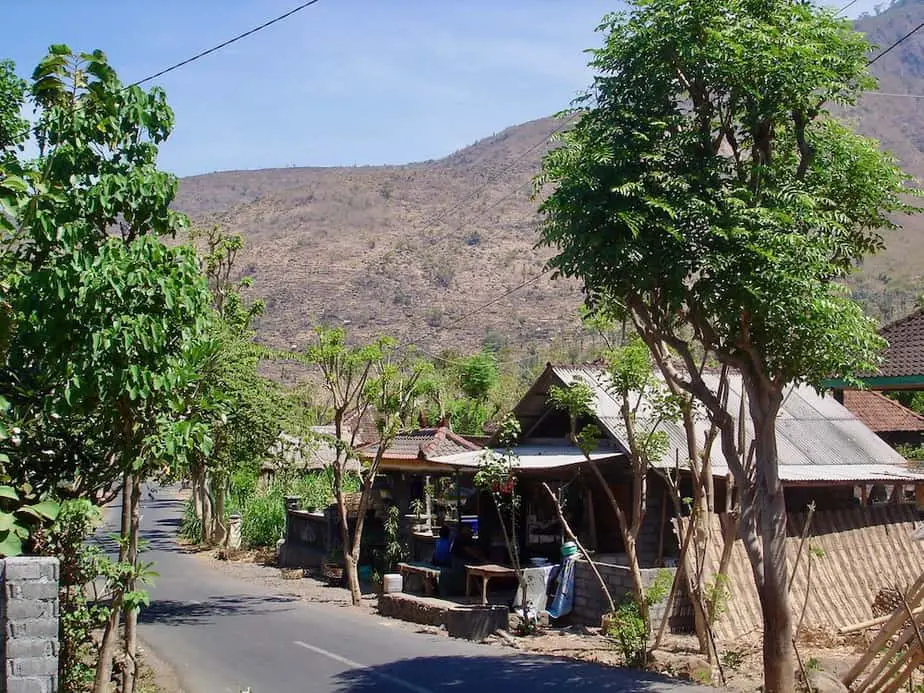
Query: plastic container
point(569, 548)
point(392, 583)
point(364, 572)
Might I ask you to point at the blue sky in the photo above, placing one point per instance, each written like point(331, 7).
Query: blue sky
point(343, 82)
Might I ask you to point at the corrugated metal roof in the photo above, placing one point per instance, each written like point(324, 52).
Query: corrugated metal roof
point(854, 472)
point(818, 439)
point(529, 457)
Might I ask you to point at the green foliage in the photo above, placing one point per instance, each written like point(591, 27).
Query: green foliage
point(395, 551)
point(262, 510)
point(13, 128)
point(264, 518)
point(704, 184)
point(22, 512)
point(732, 659)
point(715, 594)
point(628, 627)
point(478, 375)
point(191, 525)
point(79, 616)
point(110, 322)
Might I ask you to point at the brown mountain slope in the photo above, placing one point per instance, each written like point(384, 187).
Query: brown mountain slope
point(404, 250)
point(890, 282)
point(410, 250)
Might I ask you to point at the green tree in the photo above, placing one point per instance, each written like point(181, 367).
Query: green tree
point(705, 190)
point(366, 379)
point(110, 323)
point(644, 404)
point(243, 411)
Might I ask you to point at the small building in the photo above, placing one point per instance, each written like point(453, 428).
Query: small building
point(895, 423)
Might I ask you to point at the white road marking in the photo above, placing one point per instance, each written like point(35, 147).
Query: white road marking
point(407, 685)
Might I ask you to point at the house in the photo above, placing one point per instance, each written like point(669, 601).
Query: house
point(827, 456)
point(890, 420)
point(902, 366)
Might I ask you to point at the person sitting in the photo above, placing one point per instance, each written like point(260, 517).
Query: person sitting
point(442, 552)
point(465, 549)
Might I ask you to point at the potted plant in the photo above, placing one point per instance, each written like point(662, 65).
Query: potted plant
point(418, 507)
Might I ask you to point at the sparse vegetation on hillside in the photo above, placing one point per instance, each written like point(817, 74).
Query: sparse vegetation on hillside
point(407, 249)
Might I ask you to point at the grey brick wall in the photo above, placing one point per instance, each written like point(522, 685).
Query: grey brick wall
point(29, 614)
point(590, 603)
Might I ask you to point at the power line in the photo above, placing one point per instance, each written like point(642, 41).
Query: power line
point(901, 40)
point(223, 44)
point(886, 93)
point(475, 311)
point(847, 7)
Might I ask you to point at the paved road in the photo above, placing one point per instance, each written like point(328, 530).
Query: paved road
point(224, 636)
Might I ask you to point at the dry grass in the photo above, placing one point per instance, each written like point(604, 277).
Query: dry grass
point(406, 250)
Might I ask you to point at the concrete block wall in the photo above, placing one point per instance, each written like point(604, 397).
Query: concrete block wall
point(590, 603)
point(29, 614)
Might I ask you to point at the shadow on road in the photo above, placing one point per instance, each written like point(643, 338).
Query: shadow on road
point(187, 613)
point(505, 674)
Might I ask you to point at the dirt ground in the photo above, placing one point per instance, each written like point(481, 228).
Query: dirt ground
point(677, 657)
point(157, 676)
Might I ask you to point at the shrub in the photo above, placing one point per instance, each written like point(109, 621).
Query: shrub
point(191, 526)
point(629, 629)
point(264, 518)
point(80, 564)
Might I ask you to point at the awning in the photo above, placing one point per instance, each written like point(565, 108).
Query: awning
point(528, 457)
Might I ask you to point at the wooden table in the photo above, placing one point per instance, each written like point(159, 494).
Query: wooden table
point(430, 574)
point(486, 573)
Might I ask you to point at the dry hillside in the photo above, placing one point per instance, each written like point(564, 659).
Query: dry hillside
point(404, 250)
point(409, 250)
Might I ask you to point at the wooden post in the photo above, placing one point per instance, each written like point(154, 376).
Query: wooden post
point(458, 500)
point(591, 521)
point(428, 501)
point(663, 522)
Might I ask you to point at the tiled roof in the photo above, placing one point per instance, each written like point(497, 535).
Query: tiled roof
point(905, 354)
point(424, 443)
point(880, 413)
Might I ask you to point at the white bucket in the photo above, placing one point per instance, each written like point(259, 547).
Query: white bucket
point(392, 582)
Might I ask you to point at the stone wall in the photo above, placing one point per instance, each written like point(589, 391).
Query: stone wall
point(590, 603)
point(29, 613)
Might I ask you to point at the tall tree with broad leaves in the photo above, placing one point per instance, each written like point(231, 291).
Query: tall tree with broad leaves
point(706, 191)
point(110, 324)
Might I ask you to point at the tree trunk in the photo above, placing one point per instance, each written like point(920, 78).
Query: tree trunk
point(110, 632)
point(350, 567)
point(779, 659)
point(107, 648)
point(205, 502)
point(195, 479)
point(219, 492)
point(129, 673)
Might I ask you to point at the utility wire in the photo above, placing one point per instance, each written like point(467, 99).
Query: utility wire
point(886, 93)
point(847, 7)
point(223, 44)
point(898, 42)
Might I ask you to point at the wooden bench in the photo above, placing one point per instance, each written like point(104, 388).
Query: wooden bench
point(428, 573)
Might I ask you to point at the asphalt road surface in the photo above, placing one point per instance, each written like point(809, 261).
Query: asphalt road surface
point(224, 635)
